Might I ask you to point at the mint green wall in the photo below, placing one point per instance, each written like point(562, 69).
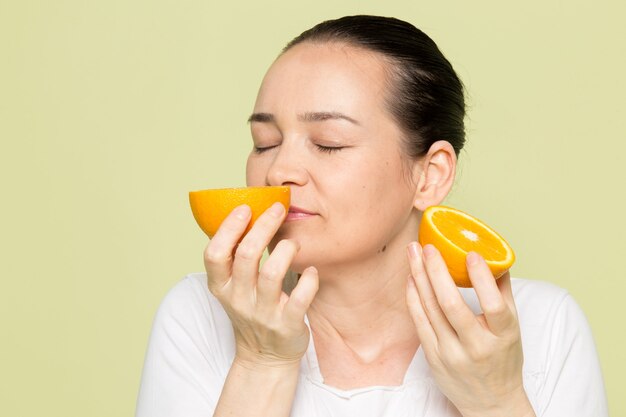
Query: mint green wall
point(110, 111)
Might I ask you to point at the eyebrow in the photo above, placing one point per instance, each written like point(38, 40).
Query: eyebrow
point(261, 117)
point(320, 116)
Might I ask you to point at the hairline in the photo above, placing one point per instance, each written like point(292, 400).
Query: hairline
point(393, 69)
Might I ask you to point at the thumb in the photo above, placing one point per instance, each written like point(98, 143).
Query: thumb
point(302, 296)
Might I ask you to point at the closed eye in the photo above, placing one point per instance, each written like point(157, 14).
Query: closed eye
point(263, 149)
point(329, 149)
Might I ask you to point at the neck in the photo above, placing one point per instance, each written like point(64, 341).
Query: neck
point(364, 306)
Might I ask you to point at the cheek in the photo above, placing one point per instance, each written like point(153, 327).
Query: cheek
point(368, 187)
point(256, 171)
point(385, 192)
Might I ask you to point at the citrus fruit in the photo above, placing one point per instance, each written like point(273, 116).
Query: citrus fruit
point(455, 233)
point(211, 207)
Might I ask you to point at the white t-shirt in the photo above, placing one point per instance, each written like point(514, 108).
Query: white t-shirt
point(192, 347)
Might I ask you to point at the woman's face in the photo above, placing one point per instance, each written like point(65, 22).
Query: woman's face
point(320, 126)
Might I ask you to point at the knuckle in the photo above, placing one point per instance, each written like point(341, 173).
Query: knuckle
point(265, 222)
point(479, 353)
point(246, 252)
point(454, 360)
point(231, 224)
point(495, 309)
point(273, 327)
point(420, 319)
point(239, 307)
point(452, 306)
point(299, 301)
point(270, 273)
point(431, 305)
point(213, 255)
point(513, 337)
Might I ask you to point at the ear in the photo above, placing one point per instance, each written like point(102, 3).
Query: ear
point(435, 175)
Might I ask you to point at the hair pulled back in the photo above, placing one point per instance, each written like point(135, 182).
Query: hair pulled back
point(427, 96)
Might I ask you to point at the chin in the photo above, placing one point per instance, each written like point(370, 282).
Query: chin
point(302, 262)
point(309, 254)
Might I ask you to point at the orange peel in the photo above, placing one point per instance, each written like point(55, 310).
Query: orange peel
point(211, 207)
point(455, 233)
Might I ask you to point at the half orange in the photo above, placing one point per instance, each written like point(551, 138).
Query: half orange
point(211, 207)
point(455, 233)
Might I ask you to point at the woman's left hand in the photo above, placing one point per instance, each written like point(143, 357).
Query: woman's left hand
point(476, 359)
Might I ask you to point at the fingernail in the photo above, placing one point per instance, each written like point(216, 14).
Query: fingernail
point(414, 250)
point(242, 212)
point(429, 251)
point(472, 258)
point(277, 210)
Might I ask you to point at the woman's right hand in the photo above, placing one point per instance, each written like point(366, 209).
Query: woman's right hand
point(268, 324)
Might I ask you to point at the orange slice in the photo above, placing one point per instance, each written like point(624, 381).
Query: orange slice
point(455, 233)
point(211, 207)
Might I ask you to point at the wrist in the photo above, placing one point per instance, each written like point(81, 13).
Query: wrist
point(516, 405)
point(273, 377)
point(258, 389)
point(269, 362)
point(266, 366)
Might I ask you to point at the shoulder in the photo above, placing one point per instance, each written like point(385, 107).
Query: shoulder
point(190, 295)
point(191, 330)
point(545, 309)
point(189, 353)
point(554, 328)
point(526, 290)
point(538, 300)
point(190, 312)
point(562, 372)
point(191, 287)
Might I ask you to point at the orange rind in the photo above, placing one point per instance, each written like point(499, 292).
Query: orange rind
point(455, 233)
point(211, 207)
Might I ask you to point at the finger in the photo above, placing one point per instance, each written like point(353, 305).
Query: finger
point(302, 296)
point(425, 332)
point(273, 271)
point(218, 255)
point(504, 285)
point(250, 250)
point(430, 304)
point(497, 311)
point(453, 305)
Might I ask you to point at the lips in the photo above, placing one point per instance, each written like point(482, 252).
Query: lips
point(294, 209)
point(298, 213)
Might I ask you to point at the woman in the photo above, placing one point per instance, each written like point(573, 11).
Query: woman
point(363, 118)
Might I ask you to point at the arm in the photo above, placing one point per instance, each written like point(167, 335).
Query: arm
point(270, 334)
point(255, 390)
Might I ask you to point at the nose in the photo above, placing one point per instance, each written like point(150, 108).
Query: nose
point(288, 166)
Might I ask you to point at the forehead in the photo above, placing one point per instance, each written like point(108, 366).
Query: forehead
point(324, 77)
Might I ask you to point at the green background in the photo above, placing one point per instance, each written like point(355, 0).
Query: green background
point(110, 111)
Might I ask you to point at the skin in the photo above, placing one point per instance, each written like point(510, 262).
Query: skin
point(320, 126)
